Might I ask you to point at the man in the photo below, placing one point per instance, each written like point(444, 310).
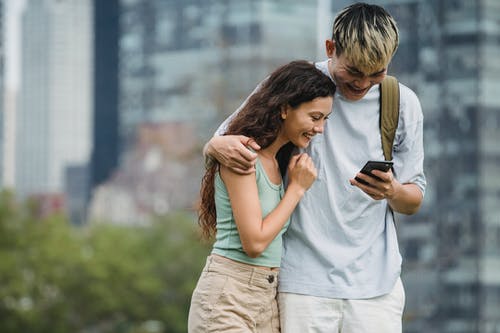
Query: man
point(341, 263)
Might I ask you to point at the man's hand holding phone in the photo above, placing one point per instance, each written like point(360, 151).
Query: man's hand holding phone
point(376, 179)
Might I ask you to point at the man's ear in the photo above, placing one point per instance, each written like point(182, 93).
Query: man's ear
point(330, 48)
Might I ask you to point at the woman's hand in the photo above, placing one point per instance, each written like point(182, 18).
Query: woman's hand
point(301, 172)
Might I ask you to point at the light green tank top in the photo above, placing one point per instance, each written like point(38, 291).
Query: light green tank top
point(228, 243)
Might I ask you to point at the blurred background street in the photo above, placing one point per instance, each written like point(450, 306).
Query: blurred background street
point(106, 106)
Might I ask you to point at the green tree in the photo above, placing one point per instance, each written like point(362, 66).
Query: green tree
point(35, 258)
point(103, 278)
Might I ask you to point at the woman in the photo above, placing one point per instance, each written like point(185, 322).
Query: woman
point(249, 213)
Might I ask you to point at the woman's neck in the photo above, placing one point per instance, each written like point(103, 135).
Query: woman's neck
point(270, 151)
point(268, 159)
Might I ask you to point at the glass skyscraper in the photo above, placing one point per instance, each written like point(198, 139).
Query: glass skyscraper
point(54, 111)
point(196, 61)
point(184, 66)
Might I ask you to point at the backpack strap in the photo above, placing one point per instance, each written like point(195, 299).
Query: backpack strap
point(389, 113)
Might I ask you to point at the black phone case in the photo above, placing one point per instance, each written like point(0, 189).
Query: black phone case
point(374, 165)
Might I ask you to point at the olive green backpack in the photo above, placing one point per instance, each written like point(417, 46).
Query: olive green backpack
point(389, 113)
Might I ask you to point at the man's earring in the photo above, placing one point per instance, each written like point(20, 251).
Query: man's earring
point(283, 116)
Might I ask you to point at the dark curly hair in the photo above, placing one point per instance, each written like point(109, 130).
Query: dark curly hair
point(260, 118)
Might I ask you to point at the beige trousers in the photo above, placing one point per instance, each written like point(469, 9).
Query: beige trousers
point(234, 297)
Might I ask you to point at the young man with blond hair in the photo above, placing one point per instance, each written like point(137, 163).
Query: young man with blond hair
point(341, 264)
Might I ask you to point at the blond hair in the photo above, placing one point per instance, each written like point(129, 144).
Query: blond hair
point(367, 35)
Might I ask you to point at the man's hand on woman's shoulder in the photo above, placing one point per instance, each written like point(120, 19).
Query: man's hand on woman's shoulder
point(233, 152)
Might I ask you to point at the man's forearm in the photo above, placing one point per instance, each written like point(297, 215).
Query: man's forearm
point(407, 199)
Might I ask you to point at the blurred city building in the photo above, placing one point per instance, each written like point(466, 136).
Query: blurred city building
point(467, 181)
point(76, 180)
point(8, 139)
point(184, 63)
point(196, 61)
point(157, 175)
point(2, 92)
point(8, 98)
point(104, 157)
point(53, 120)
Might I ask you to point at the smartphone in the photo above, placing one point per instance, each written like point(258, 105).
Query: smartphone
point(374, 165)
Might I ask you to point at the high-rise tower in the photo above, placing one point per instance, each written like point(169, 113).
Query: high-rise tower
point(54, 118)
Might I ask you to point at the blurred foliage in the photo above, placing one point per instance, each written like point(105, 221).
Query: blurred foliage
point(55, 278)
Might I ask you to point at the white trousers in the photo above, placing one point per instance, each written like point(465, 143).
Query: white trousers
point(310, 314)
